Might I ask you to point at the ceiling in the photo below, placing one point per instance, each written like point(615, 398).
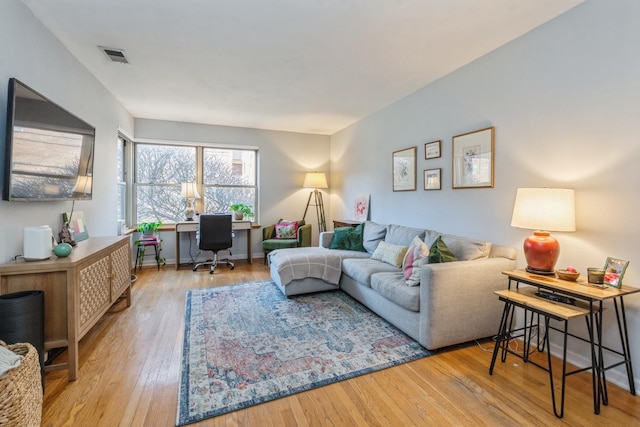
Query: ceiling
point(312, 66)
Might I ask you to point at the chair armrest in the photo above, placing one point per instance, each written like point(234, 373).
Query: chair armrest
point(326, 237)
point(268, 232)
point(304, 235)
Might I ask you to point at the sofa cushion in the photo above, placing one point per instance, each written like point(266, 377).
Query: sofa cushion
point(373, 234)
point(439, 252)
point(390, 253)
point(392, 286)
point(286, 230)
point(417, 255)
point(273, 244)
point(463, 248)
point(361, 269)
point(402, 235)
point(349, 238)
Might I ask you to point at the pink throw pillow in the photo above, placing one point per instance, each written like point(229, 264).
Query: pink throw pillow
point(287, 230)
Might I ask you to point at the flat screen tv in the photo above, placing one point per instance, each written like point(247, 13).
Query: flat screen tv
point(48, 152)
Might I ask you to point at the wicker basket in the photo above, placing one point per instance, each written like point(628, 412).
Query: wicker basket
point(21, 389)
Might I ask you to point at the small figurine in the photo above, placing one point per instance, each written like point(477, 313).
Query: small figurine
point(65, 235)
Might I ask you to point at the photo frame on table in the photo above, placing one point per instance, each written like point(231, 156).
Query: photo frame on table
point(404, 169)
point(473, 159)
point(614, 269)
point(432, 179)
point(77, 226)
point(432, 150)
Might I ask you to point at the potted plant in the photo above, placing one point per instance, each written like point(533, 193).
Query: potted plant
point(149, 228)
point(240, 210)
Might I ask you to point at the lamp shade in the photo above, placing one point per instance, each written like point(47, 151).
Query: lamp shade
point(550, 209)
point(543, 209)
point(189, 190)
point(315, 180)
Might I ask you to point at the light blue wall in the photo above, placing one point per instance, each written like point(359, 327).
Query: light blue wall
point(34, 56)
point(565, 102)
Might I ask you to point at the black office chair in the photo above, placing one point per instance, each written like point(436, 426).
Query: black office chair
point(214, 234)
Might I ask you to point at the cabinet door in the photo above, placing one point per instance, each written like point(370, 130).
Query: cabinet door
point(95, 293)
point(120, 271)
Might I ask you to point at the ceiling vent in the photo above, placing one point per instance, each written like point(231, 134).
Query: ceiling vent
point(115, 55)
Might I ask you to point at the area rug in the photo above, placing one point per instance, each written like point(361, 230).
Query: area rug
point(247, 344)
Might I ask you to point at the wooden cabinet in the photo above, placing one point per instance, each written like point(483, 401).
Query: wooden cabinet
point(345, 223)
point(78, 290)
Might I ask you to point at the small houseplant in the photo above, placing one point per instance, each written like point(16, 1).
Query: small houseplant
point(149, 228)
point(240, 210)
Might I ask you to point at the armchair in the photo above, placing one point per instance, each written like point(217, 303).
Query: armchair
point(270, 243)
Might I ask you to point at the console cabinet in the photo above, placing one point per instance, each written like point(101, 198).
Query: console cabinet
point(78, 290)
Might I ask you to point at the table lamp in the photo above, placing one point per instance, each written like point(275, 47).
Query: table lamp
point(543, 210)
point(190, 192)
point(316, 180)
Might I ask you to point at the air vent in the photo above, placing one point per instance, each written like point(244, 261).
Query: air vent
point(115, 55)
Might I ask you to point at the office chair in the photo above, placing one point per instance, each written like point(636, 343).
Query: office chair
point(214, 234)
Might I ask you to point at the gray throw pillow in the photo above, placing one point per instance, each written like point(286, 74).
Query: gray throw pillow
point(373, 234)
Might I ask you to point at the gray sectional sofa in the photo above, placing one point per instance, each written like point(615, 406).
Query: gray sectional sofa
point(452, 303)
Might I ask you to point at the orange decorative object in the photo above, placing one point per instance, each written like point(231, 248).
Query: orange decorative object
point(541, 251)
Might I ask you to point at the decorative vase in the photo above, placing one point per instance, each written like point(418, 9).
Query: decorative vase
point(62, 250)
point(541, 251)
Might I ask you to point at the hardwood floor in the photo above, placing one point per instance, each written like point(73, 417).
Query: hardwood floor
point(129, 365)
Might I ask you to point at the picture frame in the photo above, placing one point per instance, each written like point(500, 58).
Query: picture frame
point(473, 154)
point(361, 208)
point(432, 179)
point(432, 150)
point(404, 169)
point(77, 226)
point(614, 269)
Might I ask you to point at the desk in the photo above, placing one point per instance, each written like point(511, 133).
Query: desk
point(588, 304)
point(192, 226)
point(345, 223)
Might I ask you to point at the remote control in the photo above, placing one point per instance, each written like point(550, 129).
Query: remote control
point(556, 298)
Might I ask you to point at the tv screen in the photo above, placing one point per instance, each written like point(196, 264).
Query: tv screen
point(48, 153)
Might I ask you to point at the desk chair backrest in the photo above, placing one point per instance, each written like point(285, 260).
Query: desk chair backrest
point(215, 232)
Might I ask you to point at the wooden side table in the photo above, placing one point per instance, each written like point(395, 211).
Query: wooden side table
point(345, 223)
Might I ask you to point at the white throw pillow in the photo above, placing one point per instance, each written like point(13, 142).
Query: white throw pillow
point(390, 253)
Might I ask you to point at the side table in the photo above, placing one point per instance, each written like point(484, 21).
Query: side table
point(345, 223)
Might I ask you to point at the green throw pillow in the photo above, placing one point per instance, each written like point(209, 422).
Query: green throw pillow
point(439, 252)
point(349, 238)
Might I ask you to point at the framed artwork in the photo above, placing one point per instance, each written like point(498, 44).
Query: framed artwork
point(473, 159)
point(361, 207)
point(77, 225)
point(404, 169)
point(432, 179)
point(432, 150)
point(613, 271)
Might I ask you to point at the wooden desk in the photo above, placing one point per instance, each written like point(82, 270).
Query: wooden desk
point(78, 290)
point(588, 304)
point(192, 227)
point(345, 223)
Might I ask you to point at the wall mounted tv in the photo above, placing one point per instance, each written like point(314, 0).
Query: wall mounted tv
point(48, 152)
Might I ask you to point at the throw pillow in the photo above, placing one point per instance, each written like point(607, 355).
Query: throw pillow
point(439, 252)
point(287, 230)
point(417, 255)
point(390, 253)
point(349, 238)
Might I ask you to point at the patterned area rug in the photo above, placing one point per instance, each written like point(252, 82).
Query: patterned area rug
point(247, 344)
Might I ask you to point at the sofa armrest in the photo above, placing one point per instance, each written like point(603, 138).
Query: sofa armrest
point(326, 237)
point(304, 236)
point(457, 300)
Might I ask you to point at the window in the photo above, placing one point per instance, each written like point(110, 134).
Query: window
point(121, 182)
point(223, 176)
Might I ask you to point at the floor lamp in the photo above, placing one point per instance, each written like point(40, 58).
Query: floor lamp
point(316, 180)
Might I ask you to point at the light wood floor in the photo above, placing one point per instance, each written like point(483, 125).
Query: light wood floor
point(129, 365)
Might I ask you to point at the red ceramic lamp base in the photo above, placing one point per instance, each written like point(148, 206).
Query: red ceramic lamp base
point(541, 252)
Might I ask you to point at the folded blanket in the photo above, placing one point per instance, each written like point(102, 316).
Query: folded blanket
point(8, 361)
point(300, 263)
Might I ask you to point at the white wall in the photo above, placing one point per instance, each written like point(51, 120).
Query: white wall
point(284, 158)
point(565, 101)
point(34, 56)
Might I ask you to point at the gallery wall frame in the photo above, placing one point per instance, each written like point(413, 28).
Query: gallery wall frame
point(433, 150)
point(473, 154)
point(404, 169)
point(432, 179)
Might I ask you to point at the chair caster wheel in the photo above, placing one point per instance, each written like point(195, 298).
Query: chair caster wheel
point(195, 269)
point(211, 272)
point(232, 267)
